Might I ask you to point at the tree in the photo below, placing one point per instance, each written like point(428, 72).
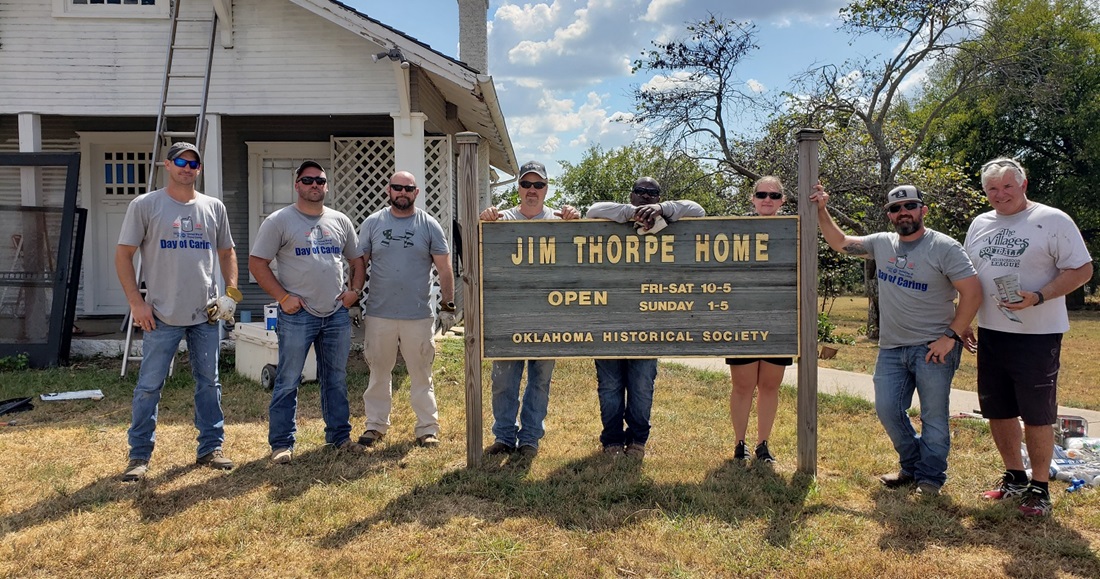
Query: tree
point(1040, 103)
point(864, 101)
point(697, 98)
point(609, 175)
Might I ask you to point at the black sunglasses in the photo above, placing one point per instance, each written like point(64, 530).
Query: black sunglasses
point(407, 188)
point(909, 206)
point(312, 180)
point(181, 162)
point(532, 184)
point(646, 192)
point(766, 194)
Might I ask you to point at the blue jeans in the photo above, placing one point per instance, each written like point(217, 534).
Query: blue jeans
point(331, 340)
point(158, 347)
point(507, 375)
point(898, 372)
point(625, 388)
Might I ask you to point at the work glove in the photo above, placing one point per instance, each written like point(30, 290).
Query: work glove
point(224, 307)
point(447, 313)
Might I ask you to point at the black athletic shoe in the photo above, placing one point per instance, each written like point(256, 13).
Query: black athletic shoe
point(762, 452)
point(740, 452)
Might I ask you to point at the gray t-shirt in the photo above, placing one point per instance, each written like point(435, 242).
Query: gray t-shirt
point(623, 212)
point(178, 243)
point(916, 294)
point(400, 250)
point(309, 250)
point(513, 214)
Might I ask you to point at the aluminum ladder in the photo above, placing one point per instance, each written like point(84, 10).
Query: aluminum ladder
point(176, 101)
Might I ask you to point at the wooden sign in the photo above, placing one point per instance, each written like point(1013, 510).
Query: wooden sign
point(714, 286)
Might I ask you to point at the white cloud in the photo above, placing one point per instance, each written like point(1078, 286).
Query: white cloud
point(756, 86)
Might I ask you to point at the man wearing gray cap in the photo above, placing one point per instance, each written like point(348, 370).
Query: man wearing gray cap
point(180, 233)
point(523, 435)
point(920, 272)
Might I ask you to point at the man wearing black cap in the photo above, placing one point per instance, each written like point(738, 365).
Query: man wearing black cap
point(920, 272)
point(523, 435)
point(625, 386)
point(310, 243)
point(180, 233)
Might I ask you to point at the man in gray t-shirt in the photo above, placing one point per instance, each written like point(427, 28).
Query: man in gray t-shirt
point(523, 435)
point(401, 244)
point(919, 273)
point(181, 234)
point(310, 243)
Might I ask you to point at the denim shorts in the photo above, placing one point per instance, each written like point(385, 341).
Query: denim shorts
point(1018, 375)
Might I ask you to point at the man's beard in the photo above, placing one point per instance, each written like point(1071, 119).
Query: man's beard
point(401, 203)
point(909, 227)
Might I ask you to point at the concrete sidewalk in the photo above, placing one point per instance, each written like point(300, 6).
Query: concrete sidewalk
point(831, 381)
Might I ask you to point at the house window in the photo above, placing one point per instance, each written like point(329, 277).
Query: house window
point(112, 8)
point(271, 168)
point(124, 173)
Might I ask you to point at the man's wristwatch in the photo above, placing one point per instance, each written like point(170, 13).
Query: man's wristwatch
point(448, 306)
point(951, 334)
point(358, 293)
point(1042, 298)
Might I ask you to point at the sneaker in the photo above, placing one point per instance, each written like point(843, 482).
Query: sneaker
point(928, 489)
point(635, 450)
point(613, 450)
point(135, 470)
point(1036, 503)
point(897, 480)
point(428, 441)
point(528, 451)
point(763, 454)
point(1007, 489)
point(499, 448)
point(350, 446)
point(282, 455)
point(740, 452)
point(215, 459)
point(370, 437)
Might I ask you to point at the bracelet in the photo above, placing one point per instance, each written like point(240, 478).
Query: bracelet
point(283, 298)
point(1041, 298)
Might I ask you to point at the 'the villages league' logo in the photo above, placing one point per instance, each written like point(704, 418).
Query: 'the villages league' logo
point(1003, 244)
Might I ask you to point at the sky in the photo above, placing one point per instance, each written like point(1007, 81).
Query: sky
point(562, 67)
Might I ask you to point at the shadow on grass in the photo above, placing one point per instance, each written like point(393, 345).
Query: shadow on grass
point(594, 493)
point(1037, 548)
point(319, 466)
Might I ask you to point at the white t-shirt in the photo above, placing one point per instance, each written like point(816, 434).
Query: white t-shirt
point(1037, 244)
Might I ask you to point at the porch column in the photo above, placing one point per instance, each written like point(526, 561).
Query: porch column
point(408, 148)
point(30, 141)
point(212, 158)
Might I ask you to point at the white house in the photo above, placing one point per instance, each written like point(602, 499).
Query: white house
point(290, 80)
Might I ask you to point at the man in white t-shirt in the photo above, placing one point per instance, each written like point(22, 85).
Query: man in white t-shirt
point(1028, 256)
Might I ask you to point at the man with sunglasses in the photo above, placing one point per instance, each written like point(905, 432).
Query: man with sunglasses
point(401, 243)
point(625, 386)
point(523, 435)
point(310, 243)
point(920, 273)
point(181, 234)
point(1028, 256)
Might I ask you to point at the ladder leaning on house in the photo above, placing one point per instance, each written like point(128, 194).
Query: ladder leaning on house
point(177, 101)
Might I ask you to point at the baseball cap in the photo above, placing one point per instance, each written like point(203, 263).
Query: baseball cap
point(533, 167)
point(182, 147)
point(307, 164)
point(902, 194)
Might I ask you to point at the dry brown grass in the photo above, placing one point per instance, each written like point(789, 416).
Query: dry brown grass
point(403, 511)
point(1080, 353)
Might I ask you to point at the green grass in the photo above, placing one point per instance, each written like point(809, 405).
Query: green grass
point(1080, 353)
point(405, 511)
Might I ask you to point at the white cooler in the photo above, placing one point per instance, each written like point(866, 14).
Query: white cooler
point(258, 347)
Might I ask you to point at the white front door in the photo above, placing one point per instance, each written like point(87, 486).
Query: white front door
point(117, 168)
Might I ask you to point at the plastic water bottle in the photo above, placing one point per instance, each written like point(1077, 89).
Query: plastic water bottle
point(1075, 485)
